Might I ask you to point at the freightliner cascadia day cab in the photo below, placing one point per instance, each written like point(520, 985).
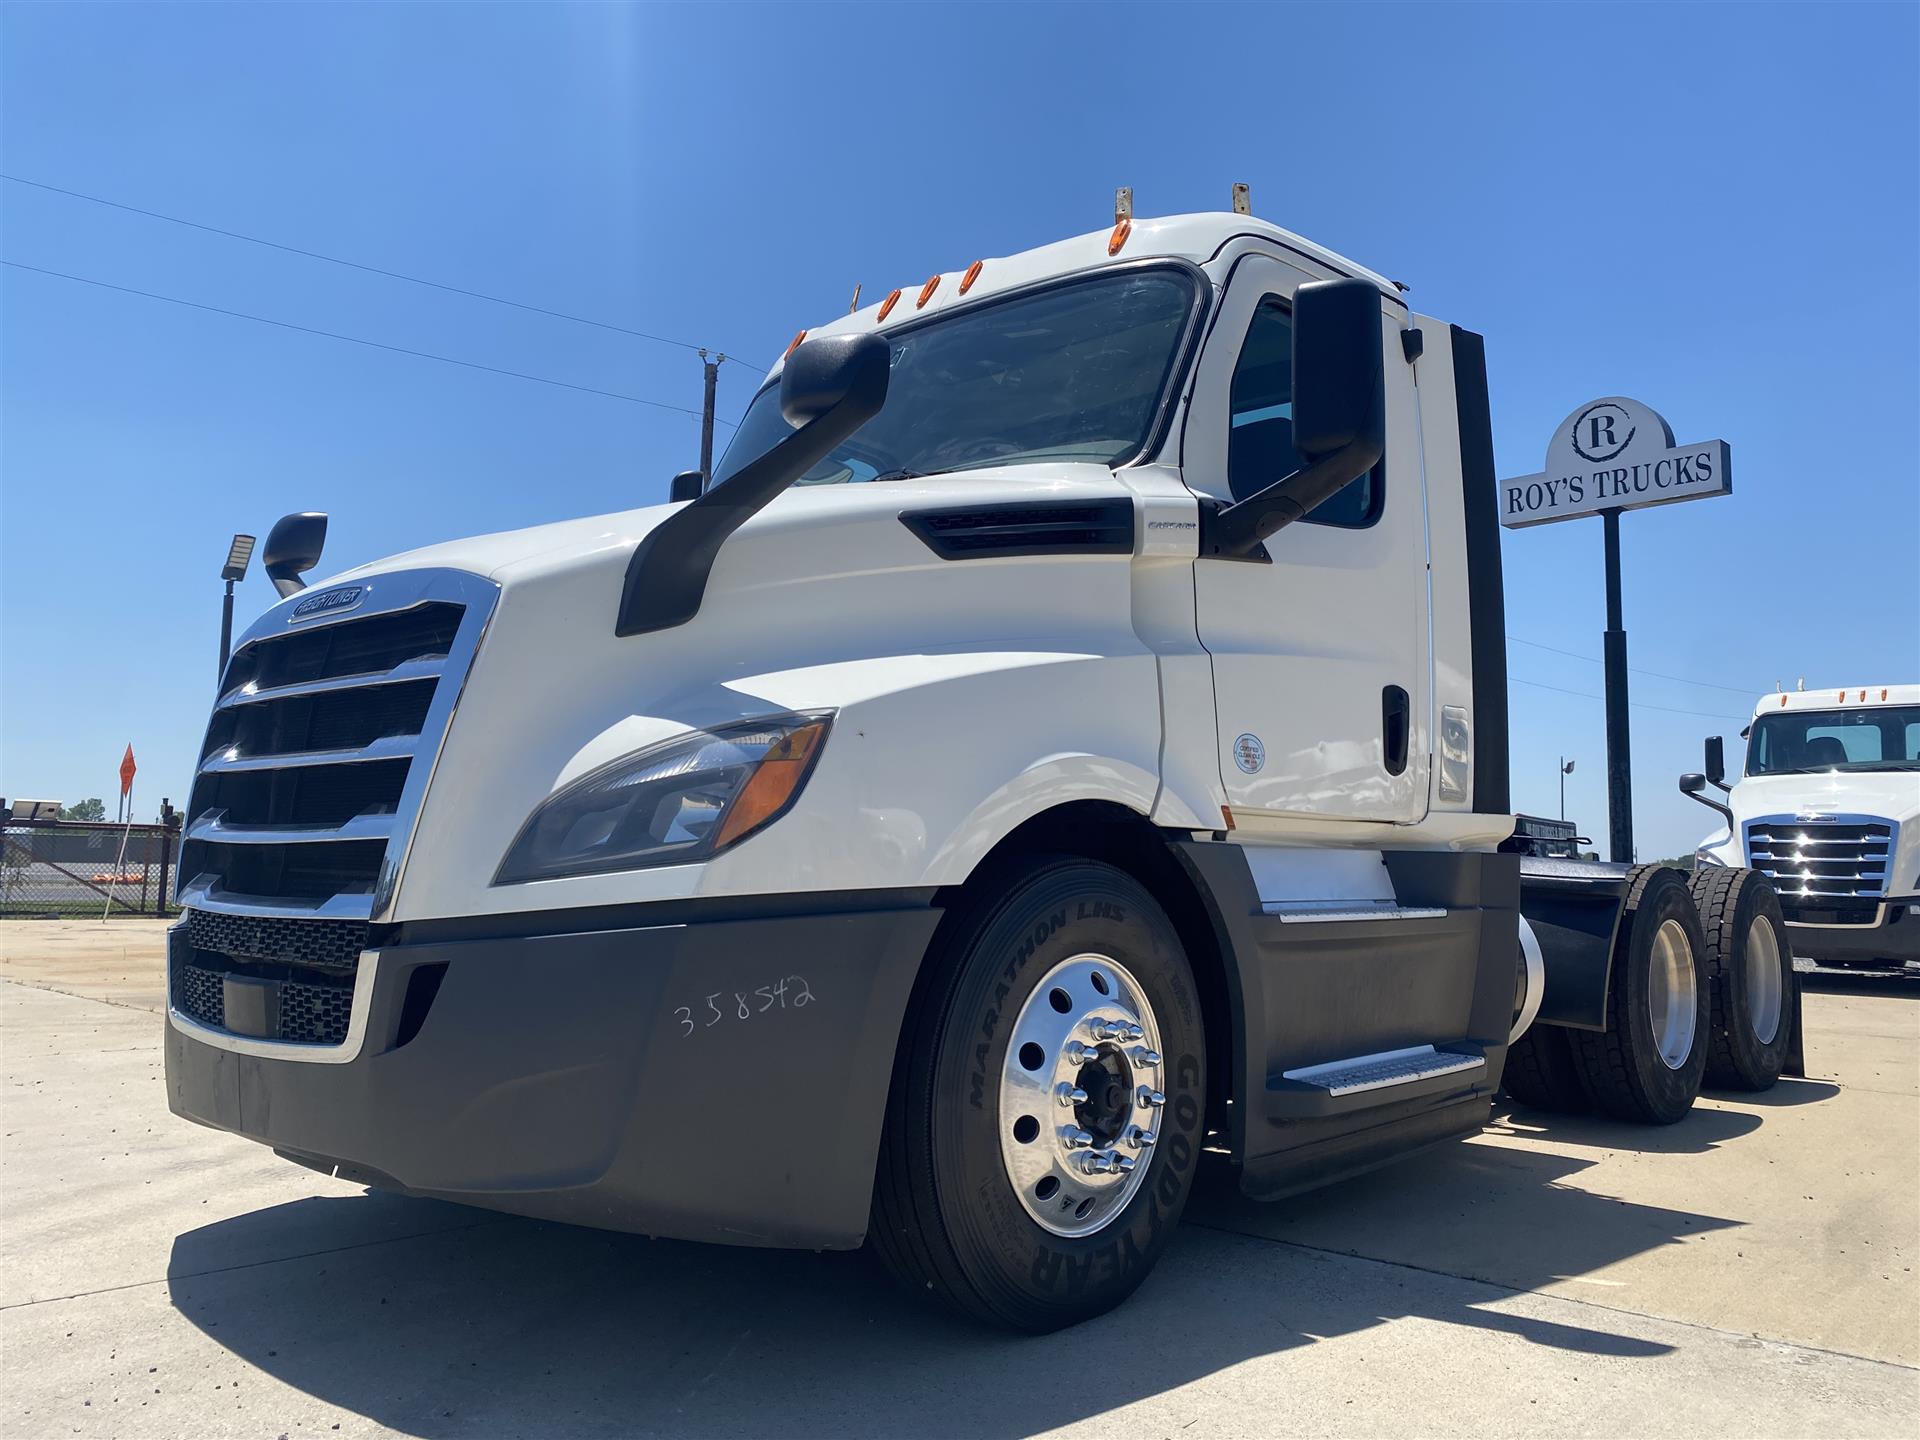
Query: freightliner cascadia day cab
point(1829, 810)
point(1068, 737)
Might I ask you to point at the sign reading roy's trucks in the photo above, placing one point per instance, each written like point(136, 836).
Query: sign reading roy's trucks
point(1614, 454)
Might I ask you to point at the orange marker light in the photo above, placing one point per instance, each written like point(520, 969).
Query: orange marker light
point(926, 293)
point(973, 274)
point(773, 784)
point(1227, 816)
point(1783, 702)
point(886, 306)
point(1883, 694)
point(794, 344)
point(1119, 236)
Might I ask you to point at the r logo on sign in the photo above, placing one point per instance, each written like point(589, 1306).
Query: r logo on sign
point(1596, 432)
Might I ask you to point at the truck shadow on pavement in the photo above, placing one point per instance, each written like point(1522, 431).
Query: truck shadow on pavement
point(434, 1319)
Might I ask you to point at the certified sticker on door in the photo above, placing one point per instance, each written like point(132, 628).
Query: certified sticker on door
point(1248, 753)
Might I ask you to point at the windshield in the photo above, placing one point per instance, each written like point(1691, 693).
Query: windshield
point(1805, 741)
point(1072, 372)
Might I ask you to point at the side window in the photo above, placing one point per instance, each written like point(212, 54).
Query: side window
point(1260, 447)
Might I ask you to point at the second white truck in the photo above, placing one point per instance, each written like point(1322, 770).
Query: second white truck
point(1069, 737)
point(1828, 807)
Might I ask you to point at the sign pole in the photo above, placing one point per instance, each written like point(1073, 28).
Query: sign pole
point(1619, 745)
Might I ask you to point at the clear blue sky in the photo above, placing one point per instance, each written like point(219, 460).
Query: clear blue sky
point(1711, 208)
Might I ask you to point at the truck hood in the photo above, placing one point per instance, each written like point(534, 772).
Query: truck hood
point(1890, 795)
point(493, 556)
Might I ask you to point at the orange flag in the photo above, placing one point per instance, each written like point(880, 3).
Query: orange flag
point(127, 767)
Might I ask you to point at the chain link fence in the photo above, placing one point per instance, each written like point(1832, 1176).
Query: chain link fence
point(63, 869)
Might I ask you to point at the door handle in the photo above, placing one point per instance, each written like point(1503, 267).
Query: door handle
point(1396, 713)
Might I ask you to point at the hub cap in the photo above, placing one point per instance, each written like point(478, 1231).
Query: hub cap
point(1764, 990)
point(1672, 997)
point(1081, 1095)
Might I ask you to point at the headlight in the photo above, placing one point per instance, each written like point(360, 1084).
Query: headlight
point(680, 801)
point(1704, 856)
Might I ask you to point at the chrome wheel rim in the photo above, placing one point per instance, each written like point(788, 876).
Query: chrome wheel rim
point(1766, 994)
point(1081, 1091)
point(1672, 995)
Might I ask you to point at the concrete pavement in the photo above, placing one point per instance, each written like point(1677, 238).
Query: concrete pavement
point(1750, 1271)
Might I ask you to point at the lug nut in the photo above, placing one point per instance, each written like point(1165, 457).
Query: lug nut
point(1110, 1030)
point(1143, 1056)
point(1105, 1162)
point(1140, 1139)
point(1069, 1095)
point(1153, 1099)
point(1076, 1138)
point(1134, 1032)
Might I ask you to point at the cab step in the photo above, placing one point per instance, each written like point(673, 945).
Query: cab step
point(1364, 1080)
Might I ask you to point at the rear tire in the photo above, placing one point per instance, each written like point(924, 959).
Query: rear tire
point(1541, 1072)
point(1648, 1064)
point(1750, 964)
point(949, 1215)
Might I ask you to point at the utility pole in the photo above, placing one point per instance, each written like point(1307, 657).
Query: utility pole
point(712, 368)
point(1566, 769)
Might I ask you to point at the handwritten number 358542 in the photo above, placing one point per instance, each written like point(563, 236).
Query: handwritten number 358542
point(792, 992)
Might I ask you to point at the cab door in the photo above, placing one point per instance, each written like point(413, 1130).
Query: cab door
point(1322, 653)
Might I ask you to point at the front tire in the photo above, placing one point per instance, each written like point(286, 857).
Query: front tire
point(998, 1190)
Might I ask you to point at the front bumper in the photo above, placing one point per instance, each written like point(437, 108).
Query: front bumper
point(709, 1079)
point(1894, 937)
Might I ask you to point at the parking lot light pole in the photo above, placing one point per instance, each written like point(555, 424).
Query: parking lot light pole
point(238, 554)
point(1566, 769)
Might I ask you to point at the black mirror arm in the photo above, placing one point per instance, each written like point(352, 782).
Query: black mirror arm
point(667, 575)
point(1235, 530)
point(1692, 792)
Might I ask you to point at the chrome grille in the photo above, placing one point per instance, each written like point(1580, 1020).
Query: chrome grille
point(320, 746)
point(1838, 856)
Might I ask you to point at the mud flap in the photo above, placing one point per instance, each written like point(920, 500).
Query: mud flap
point(1796, 1061)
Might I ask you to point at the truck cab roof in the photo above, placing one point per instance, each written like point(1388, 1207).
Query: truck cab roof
point(1827, 699)
point(1196, 238)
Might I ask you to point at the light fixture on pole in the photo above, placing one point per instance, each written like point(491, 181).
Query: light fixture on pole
point(1566, 769)
point(239, 553)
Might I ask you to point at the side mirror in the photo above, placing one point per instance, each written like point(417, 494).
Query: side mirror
point(687, 485)
point(1339, 413)
point(829, 388)
point(1716, 762)
point(1693, 785)
point(293, 547)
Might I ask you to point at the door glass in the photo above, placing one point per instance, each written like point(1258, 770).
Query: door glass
point(1260, 447)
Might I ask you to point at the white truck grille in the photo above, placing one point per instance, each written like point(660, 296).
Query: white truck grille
point(320, 746)
point(1838, 858)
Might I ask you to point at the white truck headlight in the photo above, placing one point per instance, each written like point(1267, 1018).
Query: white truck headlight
point(679, 801)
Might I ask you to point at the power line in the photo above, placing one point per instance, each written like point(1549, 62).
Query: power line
point(1635, 669)
point(368, 269)
point(357, 340)
point(1636, 704)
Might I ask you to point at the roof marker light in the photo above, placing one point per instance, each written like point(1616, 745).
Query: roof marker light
point(794, 344)
point(973, 274)
point(1119, 236)
point(926, 293)
point(1883, 694)
point(886, 306)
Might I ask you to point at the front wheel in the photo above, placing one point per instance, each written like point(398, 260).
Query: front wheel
point(1048, 1101)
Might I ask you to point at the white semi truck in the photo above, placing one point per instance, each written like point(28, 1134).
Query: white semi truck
point(1829, 809)
point(1070, 735)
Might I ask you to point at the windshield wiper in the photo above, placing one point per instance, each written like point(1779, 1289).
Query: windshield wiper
point(897, 475)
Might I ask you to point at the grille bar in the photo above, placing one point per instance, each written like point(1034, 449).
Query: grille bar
point(249, 694)
point(213, 827)
point(387, 747)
